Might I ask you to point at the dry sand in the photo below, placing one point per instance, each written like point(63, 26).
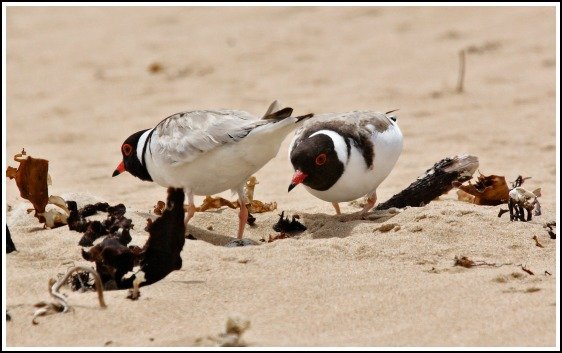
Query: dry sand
point(78, 84)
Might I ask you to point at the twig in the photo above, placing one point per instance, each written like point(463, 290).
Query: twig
point(460, 81)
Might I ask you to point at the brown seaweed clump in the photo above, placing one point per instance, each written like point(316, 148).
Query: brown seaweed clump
point(286, 226)
point(159, 256)
point(116, 224)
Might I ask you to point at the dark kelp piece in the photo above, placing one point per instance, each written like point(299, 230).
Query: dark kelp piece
point(113, 260)
point(161, 253)
point(115, 224)
point(286, 226)
point(157, 258)
point(10, 246)
point(551, 229)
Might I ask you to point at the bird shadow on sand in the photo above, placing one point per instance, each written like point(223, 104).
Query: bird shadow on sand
point(322, 226)
point(319, 226)
point(208, 236)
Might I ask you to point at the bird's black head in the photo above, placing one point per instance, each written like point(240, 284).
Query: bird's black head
point(316, 163)
point(131, 162)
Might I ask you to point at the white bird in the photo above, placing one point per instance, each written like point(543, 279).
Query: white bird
point(208, 151)
point(343, 156)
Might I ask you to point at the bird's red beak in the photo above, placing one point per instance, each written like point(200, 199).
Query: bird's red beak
point(120, 169)
point(298, 178)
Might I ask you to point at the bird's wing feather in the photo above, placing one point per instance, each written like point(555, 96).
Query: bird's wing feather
point(185, 136)
point(352, 124)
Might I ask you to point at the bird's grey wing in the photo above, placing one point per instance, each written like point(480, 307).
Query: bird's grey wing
point(185, 136)
point(360, 121)
point(356, 126)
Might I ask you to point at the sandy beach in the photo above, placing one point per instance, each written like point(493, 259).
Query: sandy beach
point(79, 81)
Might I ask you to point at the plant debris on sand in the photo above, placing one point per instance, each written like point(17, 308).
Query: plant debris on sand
point(286, 226)
point(488, 190)
point(32, 180)
point(115, 225)
point(520, 200)
point(157, 258)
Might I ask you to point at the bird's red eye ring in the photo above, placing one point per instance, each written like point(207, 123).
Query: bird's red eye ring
point(321, 159)
point(127, 149)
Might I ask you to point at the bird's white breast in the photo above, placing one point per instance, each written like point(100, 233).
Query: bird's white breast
point(357, 179)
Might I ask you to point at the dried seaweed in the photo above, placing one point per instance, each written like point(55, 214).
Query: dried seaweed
point(520, 200)
point(81, 281)
point(488, 190)
point(251, 219)
point(464, 262)
point(214, 203)
point(161, 253)
point(157, 258)
point(61, 305)
point(10, 246)
point(255, 206)
point(116, 224)
point(524, 268)
point(468, 263)
point(113, 260)
point(551, 226)
point(159, 208)
point(286, 226)
point(537, 243)
point(279, 236)
point(232, 337)
point(32, 180)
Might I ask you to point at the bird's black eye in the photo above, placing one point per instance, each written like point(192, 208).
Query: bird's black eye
point(127, 149)
point(321, 159)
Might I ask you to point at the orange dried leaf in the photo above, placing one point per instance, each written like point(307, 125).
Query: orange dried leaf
point(488, 190)
point(260, 207)
point(214, 203)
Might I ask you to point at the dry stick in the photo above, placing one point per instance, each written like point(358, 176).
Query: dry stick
point(435, 182)
point(460, 81)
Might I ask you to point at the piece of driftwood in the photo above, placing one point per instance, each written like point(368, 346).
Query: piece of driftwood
point(435, 182)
